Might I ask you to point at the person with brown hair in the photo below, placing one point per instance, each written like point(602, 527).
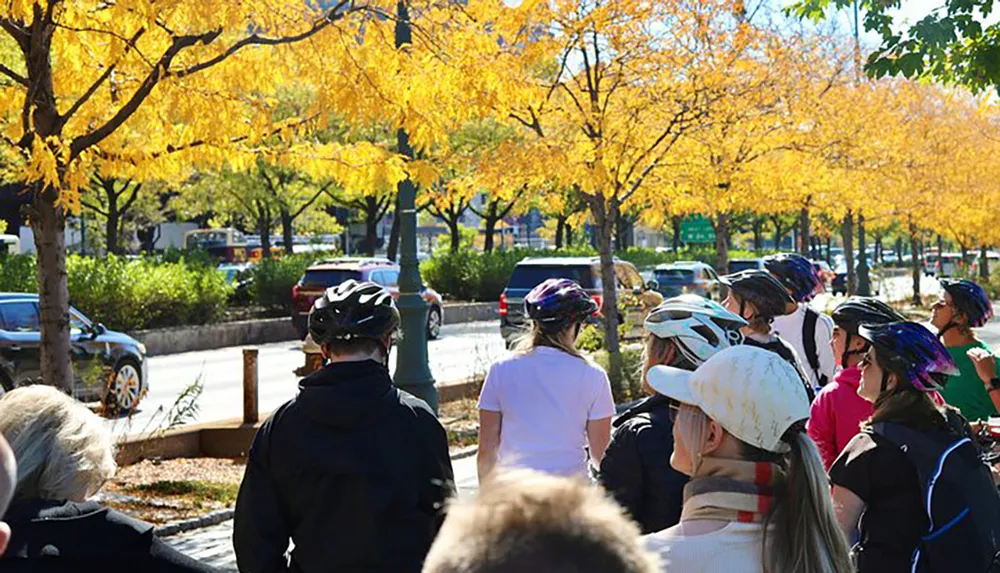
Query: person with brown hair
point(539, 408)
point(523, 522)
point(684, 331)
point(758, 498)
point(913, 481)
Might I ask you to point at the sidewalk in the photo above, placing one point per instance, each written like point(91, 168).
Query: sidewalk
point(214, 545)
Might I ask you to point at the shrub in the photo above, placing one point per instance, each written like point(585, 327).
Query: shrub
point(143, 293)
point(271, 280)
point(131, 294)
point(18, 273)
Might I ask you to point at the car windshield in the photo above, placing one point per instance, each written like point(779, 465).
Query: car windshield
point(738, 266)
point(530, 276)
point(675, 275)
point(329, 277)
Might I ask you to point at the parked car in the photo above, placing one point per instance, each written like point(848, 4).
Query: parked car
point(638, 296)
point(948, 265)
point(238, 276)
point(325, 274)
point(688, 277)
point(930, 263)
point(839, 283)
point(738, 265)
point(108, 366)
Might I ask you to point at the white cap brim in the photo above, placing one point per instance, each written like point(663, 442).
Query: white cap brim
point(673, 383)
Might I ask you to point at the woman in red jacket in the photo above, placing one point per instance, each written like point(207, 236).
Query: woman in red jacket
point(837, 412)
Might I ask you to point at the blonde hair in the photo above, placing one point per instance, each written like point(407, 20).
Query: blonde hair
point(524, 521)
point(535, 337)
point(63, 450)
point(801, 532)
point(656, 352)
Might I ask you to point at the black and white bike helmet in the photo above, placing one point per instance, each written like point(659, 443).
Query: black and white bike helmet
point(353, 310)
point(699, 326)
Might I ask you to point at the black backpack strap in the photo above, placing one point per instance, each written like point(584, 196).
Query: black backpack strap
point(809, 344)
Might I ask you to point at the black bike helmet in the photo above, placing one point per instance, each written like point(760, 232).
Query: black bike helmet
point(353, 310)
point(760, 289)
point(857, 310)
point(797, 273)
point(971, 300)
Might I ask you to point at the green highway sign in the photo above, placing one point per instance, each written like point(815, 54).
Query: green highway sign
point(697, 229)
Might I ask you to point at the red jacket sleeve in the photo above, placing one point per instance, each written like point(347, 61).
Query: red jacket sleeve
point(822, 428)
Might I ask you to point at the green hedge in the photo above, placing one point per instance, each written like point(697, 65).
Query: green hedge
point(476, 276)
point(131, 294)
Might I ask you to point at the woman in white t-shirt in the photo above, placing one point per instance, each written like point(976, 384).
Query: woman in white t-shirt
point(542, 406)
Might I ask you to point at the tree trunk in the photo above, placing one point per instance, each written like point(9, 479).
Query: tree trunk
point(490, 223)
point(569, 235)
point(915, 260)
point(965, 252)
point(829, 250)
point(864, 280)
point(676, 224)
point(371, 226)
point(804, 238)
point(984, 264)
point(111, 229)
point(560, 229)
point(758, 232)
point(847, 231)
point(722, 243)
point(940, 246)
point(287, 232)
point(264, 227)
point(779, 233)
point(48, 225)
point(878, 251)
point(456, 237)
point(604, 226)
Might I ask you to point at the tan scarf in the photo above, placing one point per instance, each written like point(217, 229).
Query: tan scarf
point(732, 490)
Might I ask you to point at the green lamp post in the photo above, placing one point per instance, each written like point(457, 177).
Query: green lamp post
point(413, 373)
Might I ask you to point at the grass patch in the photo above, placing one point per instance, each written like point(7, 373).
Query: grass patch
point(197, 492)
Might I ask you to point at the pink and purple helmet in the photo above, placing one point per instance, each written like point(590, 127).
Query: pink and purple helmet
point(913, 351)
point(557, 303)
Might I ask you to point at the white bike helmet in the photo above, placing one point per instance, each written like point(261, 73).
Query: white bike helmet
point(699, 326)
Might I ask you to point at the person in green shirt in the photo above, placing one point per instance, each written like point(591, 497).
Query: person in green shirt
point(962, 306)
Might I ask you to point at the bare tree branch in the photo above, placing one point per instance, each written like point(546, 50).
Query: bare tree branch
point(130, 43)
point(14, 75)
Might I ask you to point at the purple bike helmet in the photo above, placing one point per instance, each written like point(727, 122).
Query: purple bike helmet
point(557, 303)
point(912, 350)
point(796, 273)
point(970, 299)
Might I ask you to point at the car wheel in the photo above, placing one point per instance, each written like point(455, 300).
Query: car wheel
point(433, 323)
point(125, 389)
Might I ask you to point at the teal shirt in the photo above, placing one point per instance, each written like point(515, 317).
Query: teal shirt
point(966, 391)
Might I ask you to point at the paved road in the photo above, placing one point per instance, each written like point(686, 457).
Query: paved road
point(214, 545)
point(463, 350)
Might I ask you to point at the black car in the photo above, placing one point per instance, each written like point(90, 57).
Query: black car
point(108, 366)
point(585, 271)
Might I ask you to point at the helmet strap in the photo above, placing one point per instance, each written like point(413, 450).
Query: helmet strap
point(848, 352)
point(947, 327)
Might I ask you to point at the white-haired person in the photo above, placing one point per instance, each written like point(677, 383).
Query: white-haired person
point(758, 499)
point(64, 455)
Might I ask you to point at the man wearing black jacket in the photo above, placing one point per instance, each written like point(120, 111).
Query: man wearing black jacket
point(354, 472)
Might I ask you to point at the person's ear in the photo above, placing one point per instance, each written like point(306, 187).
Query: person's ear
point(4, 536)
point(858, 344)
point(713, 441)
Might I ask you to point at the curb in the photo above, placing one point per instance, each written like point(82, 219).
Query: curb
point(223, 515)
point(185, 525)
